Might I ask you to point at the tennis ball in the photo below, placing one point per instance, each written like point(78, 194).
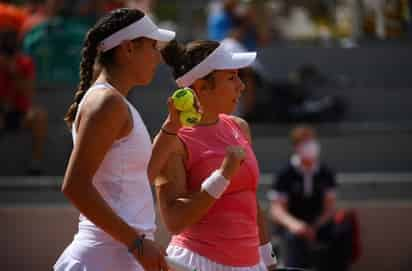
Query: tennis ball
point(190, 118)
point(183, 99)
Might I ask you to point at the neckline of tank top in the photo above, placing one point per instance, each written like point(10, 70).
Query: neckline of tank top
point(208, 124)
point(107, 84)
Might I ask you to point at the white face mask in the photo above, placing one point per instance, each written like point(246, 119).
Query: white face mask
point(309, 150)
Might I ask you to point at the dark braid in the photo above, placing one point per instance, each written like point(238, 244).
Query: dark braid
point(106, 26)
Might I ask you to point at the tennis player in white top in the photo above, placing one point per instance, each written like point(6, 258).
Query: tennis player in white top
point(106, 177)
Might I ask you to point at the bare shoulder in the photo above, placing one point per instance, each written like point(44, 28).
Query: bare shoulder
point(106, 104)
point(244, 125)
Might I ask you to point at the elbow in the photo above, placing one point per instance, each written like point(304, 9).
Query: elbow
point(174, 224)
point(174, 228)
point(67, 190)
point(150, 175)
point(70, 189)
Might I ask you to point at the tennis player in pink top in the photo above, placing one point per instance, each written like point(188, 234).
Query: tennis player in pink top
point(206, 176)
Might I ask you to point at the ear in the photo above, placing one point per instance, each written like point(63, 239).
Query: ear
point(126, 47)
point(201, 85)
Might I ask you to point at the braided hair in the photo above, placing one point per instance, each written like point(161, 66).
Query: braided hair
point(107, 25)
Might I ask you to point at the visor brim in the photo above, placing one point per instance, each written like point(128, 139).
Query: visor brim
point(161, 35)
point(236, 61)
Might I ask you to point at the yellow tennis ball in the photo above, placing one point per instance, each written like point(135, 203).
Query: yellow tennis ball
point(183, 99)
point(190, 118)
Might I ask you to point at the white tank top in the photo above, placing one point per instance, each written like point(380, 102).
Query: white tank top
point(122, 179)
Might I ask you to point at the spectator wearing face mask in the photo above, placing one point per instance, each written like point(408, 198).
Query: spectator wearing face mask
point(303, 200)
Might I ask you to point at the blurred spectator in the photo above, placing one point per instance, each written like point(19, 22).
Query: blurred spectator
point(303, 204)
point(17, 76)
point(227, 15)
point(249, 76)
point(40, 12)
point(291, 100)
point(55, 46)
point(222, 19)
point(146, 6)
point(296, 99)
point(11, 16)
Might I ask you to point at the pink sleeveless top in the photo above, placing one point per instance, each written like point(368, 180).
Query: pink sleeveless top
point(228, 234)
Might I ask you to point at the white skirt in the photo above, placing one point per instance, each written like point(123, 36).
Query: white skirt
point(195, 261)
point(80, 257)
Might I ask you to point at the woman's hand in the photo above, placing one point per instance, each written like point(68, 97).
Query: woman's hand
point(172, 123)
point(233, 159)
point(152, 257)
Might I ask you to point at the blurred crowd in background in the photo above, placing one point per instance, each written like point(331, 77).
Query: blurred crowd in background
point(255, 23)
point(41, 40)
point(40, 48)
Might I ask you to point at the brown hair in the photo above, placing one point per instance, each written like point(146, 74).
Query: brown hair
point(182, 58)
point(301, 133)
point(107, 25)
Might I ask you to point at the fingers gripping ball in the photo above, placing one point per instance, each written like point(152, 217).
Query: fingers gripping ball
point(183, 99)
point(189, 118)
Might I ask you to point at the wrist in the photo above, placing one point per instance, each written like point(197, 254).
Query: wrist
point(137, 245)
point(171, 127)
point(167, 132)
point(215, 185)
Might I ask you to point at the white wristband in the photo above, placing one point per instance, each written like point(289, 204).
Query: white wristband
point(215, 184)
point(266, 254)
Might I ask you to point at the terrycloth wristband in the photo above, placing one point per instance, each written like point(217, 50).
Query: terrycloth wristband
point(266, 254)
point(215, 184)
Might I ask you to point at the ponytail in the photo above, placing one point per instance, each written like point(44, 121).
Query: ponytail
point(89, 54)
point(183, 58)
point(107, 25)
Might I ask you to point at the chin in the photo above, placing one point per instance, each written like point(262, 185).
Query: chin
point(229, 111)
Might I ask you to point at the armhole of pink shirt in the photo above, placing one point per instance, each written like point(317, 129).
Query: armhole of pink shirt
point(232, 122)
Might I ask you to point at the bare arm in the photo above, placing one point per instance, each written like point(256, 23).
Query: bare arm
point(279, 212)
point(100, 124)
point(164, 144)
point(178, 208)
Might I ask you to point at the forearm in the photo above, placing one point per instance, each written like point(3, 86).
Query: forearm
point(91, 204)
point(283, 217)
point(185, 211)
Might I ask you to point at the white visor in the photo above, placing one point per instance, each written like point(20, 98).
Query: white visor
point(141, 28)
point(220, 59)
